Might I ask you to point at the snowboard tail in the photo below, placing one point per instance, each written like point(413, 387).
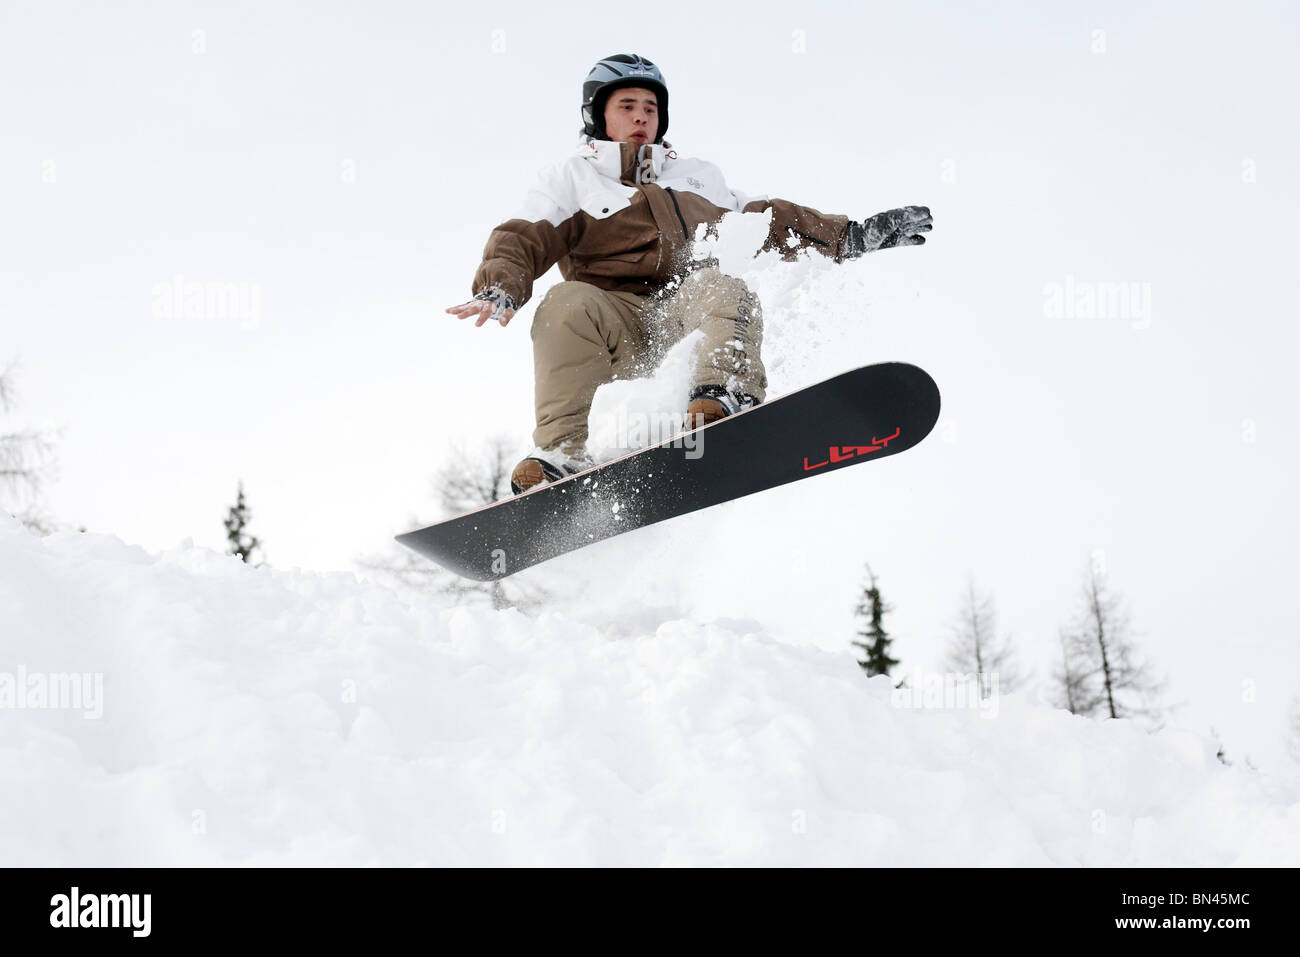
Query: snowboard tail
point(867, 413)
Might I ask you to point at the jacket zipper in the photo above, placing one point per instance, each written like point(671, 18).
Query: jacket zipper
point(680, 218)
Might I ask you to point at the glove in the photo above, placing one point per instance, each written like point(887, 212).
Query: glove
point(897, 227)
point(500, 299)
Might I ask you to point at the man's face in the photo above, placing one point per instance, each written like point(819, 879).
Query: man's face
point(632, 116)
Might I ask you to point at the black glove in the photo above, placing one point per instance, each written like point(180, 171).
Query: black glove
point(500, 299)
point(897, 227)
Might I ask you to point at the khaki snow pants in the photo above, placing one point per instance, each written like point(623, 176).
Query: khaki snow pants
point(584, 336)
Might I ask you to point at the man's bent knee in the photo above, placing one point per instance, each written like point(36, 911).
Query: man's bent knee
point(564, 295)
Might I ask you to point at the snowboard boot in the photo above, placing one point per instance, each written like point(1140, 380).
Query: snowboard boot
point(712, 402)
point(546, 466)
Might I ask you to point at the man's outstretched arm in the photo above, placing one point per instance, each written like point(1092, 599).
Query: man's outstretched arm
point(796, 227)
point(518, 252)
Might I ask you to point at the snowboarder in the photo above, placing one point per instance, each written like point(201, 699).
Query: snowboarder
point(619, 216)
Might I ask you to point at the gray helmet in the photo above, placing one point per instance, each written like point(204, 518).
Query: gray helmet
point(611, 73)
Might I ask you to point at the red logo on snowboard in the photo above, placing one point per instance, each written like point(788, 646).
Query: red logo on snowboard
point(842, 453)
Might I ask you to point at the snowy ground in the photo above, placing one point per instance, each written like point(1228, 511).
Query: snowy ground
point(232, 715)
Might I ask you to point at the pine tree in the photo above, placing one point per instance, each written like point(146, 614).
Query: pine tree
point(876, 640)
point(241, 542)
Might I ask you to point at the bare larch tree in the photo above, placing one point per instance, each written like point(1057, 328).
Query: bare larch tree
point(1106, 674)
point(974, 647)
point(26, 462)
point(465, 482)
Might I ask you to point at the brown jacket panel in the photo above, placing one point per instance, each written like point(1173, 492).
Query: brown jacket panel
point(519, 251)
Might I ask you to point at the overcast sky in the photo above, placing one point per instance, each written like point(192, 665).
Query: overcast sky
point(339, 166)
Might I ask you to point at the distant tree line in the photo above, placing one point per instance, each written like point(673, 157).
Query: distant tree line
point(1101, 673)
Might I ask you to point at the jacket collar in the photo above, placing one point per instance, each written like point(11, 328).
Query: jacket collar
point(622, 162)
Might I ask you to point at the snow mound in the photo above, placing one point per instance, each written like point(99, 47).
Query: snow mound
point(185, 709)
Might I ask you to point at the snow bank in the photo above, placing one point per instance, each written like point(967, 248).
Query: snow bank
point(260, 717)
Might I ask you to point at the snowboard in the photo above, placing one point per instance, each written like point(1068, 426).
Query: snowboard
point(855, 417)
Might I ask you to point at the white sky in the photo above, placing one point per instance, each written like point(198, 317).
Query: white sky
point(1162, 150)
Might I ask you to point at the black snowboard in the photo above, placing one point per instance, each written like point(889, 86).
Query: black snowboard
point(865, 414)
